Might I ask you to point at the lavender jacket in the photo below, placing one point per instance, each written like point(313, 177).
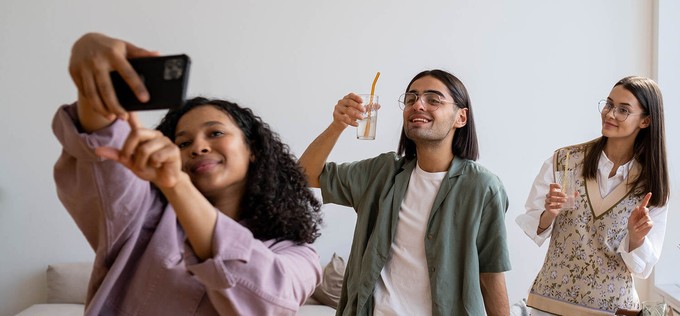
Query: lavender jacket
point(143, 263)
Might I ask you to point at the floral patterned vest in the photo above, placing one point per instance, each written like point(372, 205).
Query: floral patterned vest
point(583, 274)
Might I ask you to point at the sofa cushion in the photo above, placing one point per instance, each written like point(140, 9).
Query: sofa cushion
point(328, 292)
point(315, 310)
point(53, 310)
point(67, 282)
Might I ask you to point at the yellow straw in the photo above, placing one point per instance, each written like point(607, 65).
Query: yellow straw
point(370, 104)
point(564, 174)
point(375, 80)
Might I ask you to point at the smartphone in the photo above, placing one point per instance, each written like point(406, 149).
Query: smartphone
point(165, 77)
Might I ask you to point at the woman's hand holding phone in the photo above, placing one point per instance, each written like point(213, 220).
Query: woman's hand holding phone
point(93, 57)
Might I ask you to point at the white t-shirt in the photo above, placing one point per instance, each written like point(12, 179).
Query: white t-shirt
point(404, 284)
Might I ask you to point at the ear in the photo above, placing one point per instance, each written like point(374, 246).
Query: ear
point(644, 123)
point(461, 118)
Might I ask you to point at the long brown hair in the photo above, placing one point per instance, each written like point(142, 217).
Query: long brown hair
point(649, 148)
point(465, 139)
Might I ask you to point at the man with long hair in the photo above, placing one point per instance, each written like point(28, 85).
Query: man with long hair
point(430, 235)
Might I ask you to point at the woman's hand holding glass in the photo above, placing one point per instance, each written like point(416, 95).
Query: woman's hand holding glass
point(554, 200)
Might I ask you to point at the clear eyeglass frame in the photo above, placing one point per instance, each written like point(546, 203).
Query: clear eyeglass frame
point(430, 100)
point(620, 113)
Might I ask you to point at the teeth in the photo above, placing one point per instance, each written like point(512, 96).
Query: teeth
point(419, 120)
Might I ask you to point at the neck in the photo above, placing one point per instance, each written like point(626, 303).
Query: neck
point(618, 151)
point(228, 204)
point(434, 158)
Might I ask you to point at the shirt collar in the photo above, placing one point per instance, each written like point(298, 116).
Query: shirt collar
point(605, 165)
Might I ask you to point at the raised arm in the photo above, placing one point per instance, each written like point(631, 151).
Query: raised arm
point(154, 157)
point(347, 111)
point(93, 57)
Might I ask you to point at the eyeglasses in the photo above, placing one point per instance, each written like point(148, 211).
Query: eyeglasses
point(431, 100)
point(620, 113)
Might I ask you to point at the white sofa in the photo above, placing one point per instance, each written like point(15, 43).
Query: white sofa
point(67, 289)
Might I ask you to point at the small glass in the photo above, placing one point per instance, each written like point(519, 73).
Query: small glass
point(367, 125)
point(654, 308)
point(567, 181)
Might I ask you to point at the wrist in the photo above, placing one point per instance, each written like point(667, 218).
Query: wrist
point(549, 220)
point(635, 242)
point(88, 120)
point(337, 127)
point(180, 184)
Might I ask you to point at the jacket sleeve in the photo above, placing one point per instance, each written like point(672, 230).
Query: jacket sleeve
point(528, 221)
point(348, 184)
point(641, 260)
point(255, 277)
point(103, 197)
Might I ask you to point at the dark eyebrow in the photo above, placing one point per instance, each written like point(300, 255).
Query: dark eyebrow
point(437, 92)
point(206, 124)
point(612, 102)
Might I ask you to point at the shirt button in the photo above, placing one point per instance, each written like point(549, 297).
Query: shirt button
point(432, 269)
point(429, 236)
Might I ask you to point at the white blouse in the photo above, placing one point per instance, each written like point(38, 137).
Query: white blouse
point(641, 260)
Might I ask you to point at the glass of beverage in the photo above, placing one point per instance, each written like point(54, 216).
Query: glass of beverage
point(367, 125)
point(567, 181)
point(653, 308)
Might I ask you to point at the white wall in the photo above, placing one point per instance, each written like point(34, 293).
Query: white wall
point(668, 74)
point(535, 71)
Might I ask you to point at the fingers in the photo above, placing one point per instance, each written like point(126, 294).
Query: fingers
point(554, 199)
point(106, 93)
point(349, 109)
point(134, 51)
point(555, 193)
point(555, 187)
point(641, 210)
point(88, 96)
point(638, 230)
point(354, 97)
point(133, 120)
point(149, 154)
point(152, 153)
point(168, 152)
point(93, 57)
point(137, 137)
point(646, 199)
point(130, 76)
point(108, 153)
point(639, 221)
point(644, 224)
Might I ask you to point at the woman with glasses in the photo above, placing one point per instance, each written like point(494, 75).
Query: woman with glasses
point(615, 227)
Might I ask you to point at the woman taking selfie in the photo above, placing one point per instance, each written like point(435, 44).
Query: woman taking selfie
point(207, 215)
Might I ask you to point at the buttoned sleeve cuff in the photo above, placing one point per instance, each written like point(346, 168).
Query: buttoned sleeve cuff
point(528, 222)
point(231, 242)
point(640, 260)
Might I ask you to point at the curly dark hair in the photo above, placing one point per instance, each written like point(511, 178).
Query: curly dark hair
point(277, 203)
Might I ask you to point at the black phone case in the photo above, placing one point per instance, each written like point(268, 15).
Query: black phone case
point(165, 77)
